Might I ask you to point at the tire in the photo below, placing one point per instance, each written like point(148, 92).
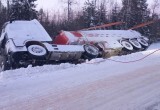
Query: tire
point(37, 50)
point(91, 51)
point(143, 42)
point(100, 47)
point(126, 45)
point(5, 63)
point(135, 43)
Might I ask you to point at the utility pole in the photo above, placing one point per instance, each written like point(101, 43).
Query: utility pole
point(128, 11)
point(8, 9)
point(69, 9)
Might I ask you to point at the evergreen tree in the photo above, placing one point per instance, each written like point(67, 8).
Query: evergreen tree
point(101, 13)
point(134, 12)
point(154, 28)
point(115, 15)
point(89, 13)
point(3, 14)
point(1, 5)
point(23, 10)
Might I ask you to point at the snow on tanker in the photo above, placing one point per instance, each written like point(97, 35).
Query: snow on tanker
point(109, 42)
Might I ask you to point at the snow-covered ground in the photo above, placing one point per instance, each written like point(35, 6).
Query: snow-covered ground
point(111, 84)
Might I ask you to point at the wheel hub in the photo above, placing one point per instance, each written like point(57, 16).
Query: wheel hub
point(37, 50)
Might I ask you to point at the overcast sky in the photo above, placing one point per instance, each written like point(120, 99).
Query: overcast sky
point(55, 5)
point(59, 5)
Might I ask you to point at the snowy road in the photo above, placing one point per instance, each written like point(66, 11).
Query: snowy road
point(95, 85)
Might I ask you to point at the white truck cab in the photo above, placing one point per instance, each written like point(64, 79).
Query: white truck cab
point(26, 42)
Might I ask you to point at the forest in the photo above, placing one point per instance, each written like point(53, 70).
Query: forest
point(92, 13)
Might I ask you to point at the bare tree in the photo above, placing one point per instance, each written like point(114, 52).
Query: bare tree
point(69, 7)
point(155, 6)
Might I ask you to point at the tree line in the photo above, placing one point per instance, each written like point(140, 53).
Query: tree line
point(93, 13)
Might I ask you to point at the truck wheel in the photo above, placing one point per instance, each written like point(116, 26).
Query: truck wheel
point(143, 42)
point(135, 43)
point(37, 50)
point(91, 51)
point(127, 46)
point(5, 64)
point(100, 47)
